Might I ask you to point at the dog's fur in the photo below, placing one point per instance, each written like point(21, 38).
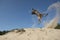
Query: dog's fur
point(38, 14)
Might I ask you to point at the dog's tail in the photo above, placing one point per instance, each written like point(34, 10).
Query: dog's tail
point(46, 14)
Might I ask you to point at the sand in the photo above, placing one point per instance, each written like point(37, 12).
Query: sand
point(33, 34)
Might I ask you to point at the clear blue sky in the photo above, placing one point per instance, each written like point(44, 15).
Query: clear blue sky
point(17, 13)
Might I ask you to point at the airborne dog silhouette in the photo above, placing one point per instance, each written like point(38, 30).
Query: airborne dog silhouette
point(38, 14)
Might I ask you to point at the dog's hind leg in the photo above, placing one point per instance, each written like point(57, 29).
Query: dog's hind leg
point(39, 20)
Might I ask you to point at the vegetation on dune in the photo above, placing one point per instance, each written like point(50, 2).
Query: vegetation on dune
point(21, 30)
point(57, 27)
point(3, 32)
point(18, 30)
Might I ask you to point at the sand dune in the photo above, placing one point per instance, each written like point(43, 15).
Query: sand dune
point(33, 34)
point(47, 33)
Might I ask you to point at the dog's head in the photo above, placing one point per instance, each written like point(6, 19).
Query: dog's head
point(34, 11)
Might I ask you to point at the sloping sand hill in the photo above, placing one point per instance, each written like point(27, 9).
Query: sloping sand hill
point(32, 34)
